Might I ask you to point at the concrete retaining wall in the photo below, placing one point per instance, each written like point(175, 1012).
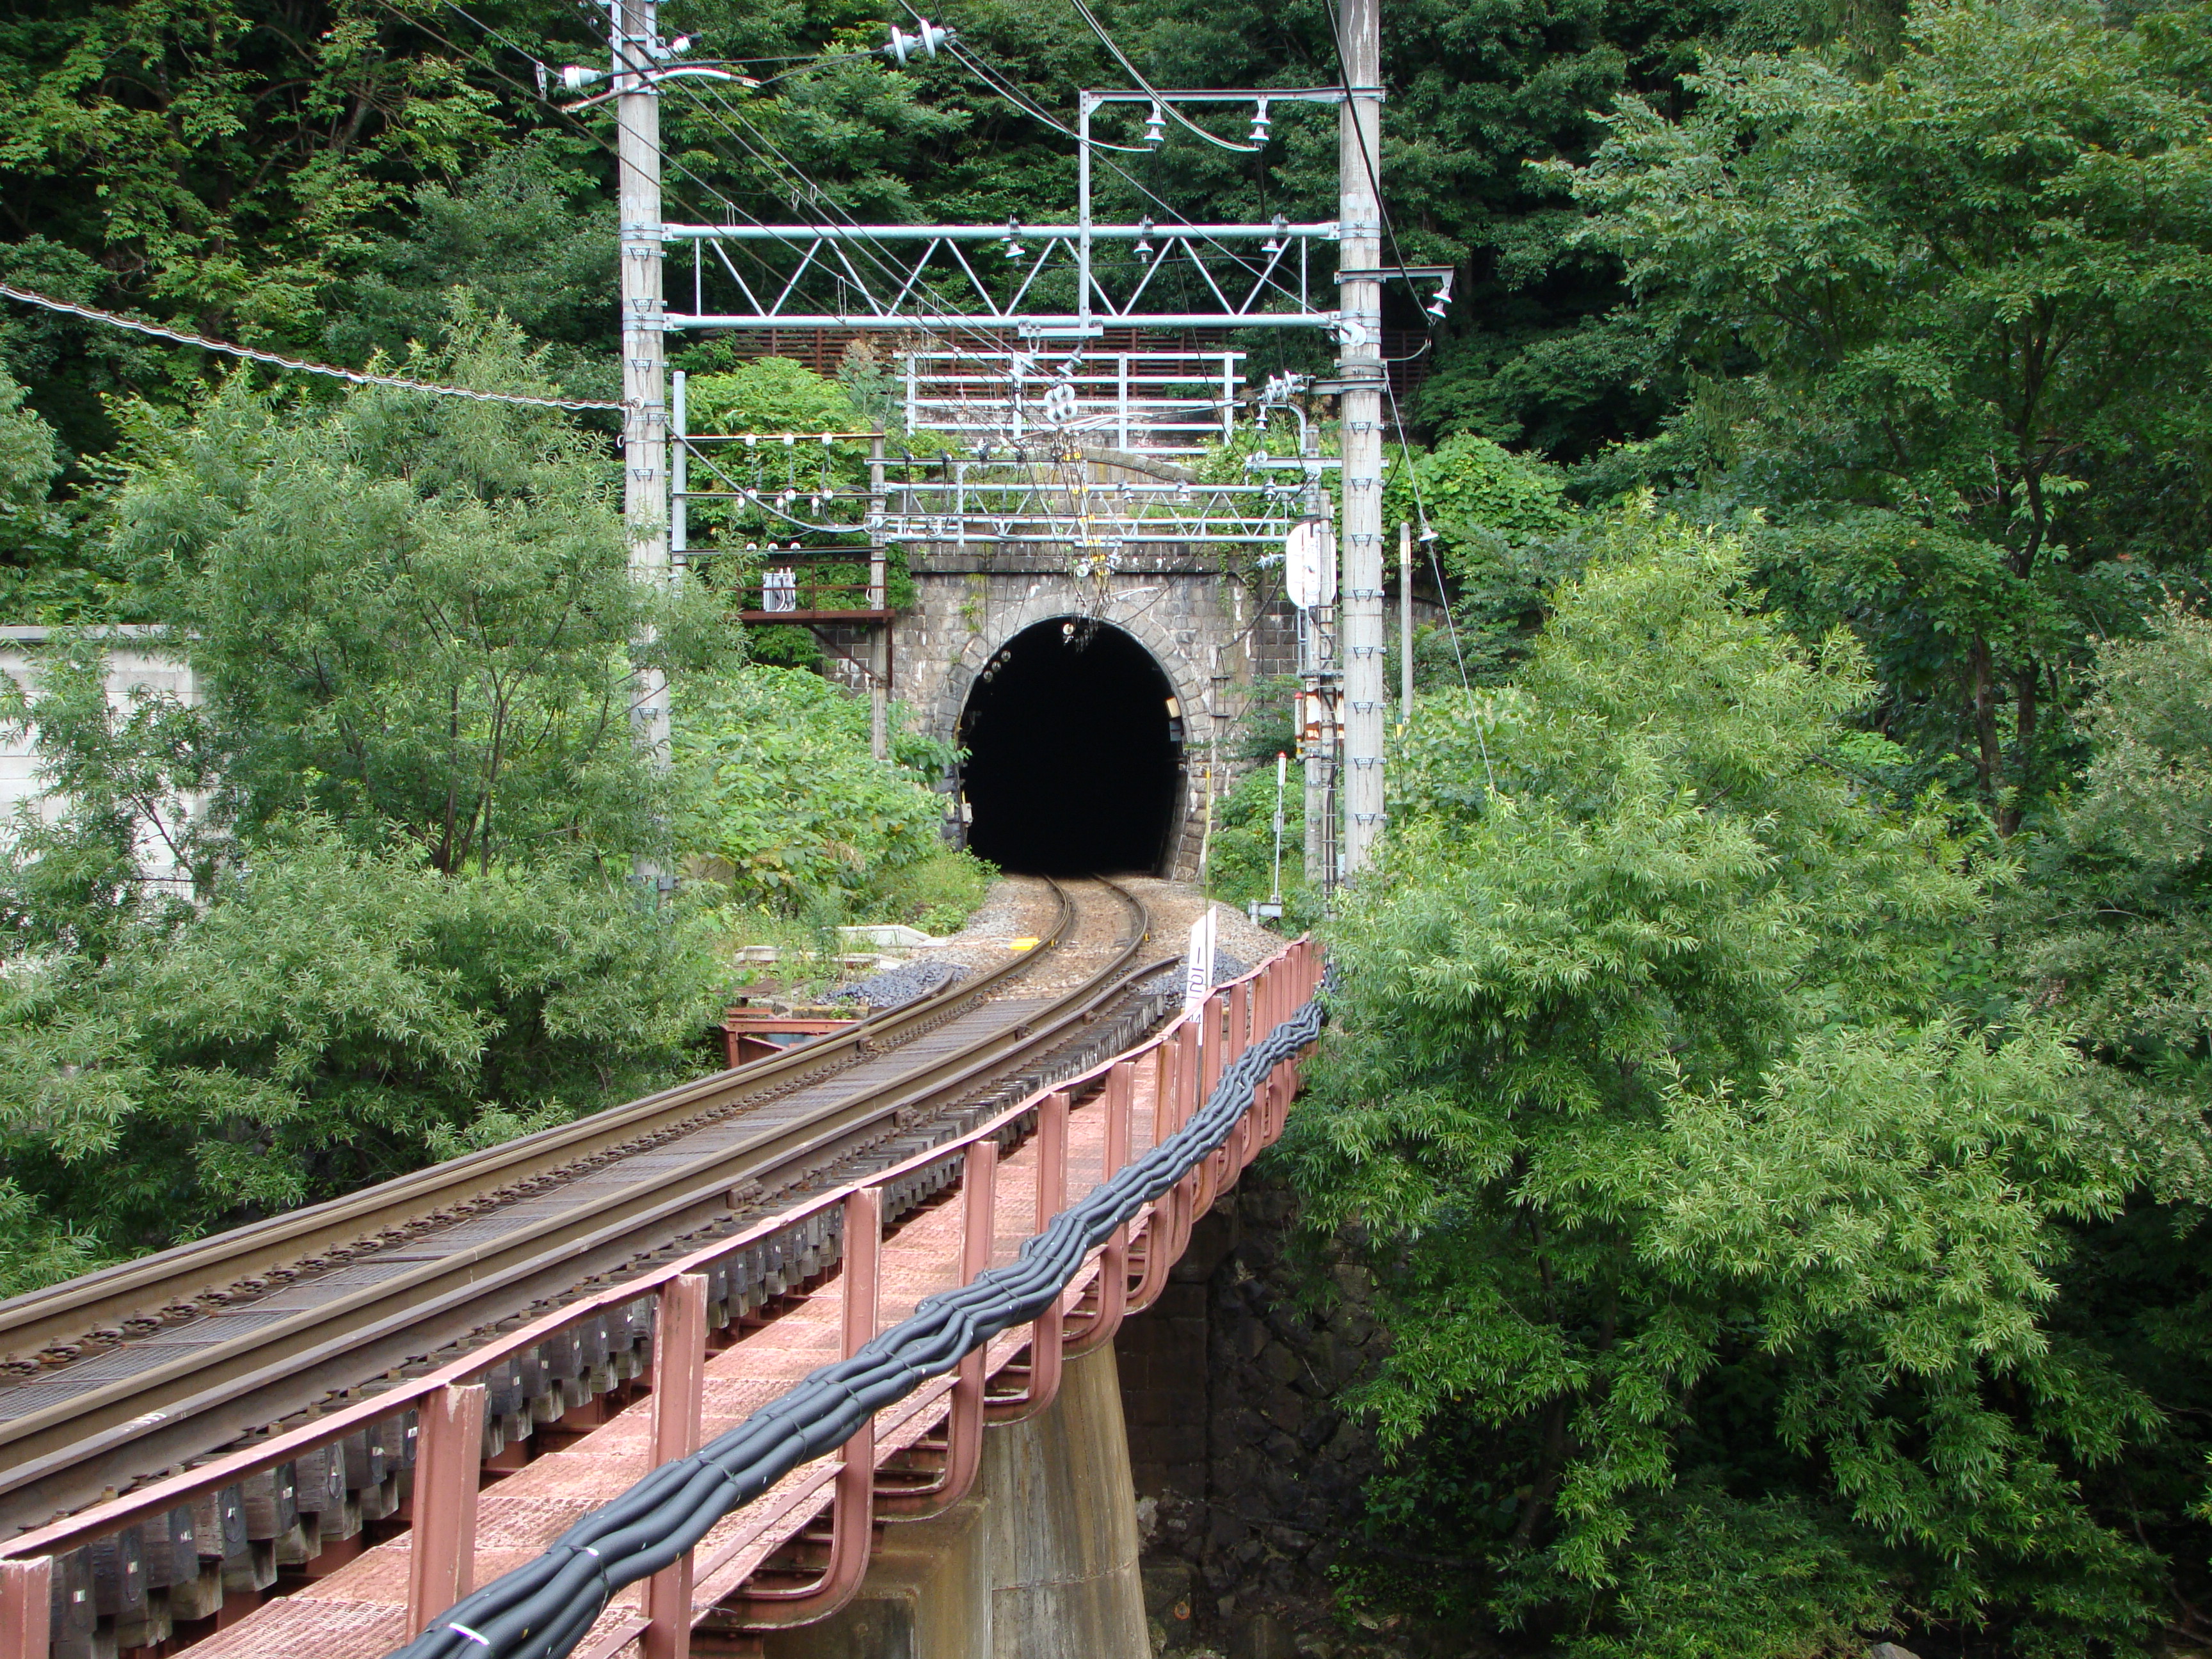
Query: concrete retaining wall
point(1039, 1562)
point(137, 659)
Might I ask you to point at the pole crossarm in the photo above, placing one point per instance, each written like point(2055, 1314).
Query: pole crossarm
point(1023, 279)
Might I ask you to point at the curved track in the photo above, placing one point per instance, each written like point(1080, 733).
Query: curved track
point(123, 1373)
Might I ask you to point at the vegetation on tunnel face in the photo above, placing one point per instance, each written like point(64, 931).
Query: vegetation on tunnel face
point(783, 806)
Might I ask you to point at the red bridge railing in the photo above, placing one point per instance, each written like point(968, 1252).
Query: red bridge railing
point(799, 1550)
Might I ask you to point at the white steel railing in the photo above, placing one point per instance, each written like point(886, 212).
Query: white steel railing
point(1145, 402)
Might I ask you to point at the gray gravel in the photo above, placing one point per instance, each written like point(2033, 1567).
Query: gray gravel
point(1168, 981)
point(896, 985)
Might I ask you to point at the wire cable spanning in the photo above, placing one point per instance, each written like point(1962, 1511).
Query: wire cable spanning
point(543, 1610)
point(1144, 86)
point(1173, 223)
point(565, 115)
point(359, 377)
point(1028, 107)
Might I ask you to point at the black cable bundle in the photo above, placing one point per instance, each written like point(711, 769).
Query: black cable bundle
point(542, 1610)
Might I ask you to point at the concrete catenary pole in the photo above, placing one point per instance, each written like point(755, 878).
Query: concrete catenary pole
point(1405, 622)
point(1359, 363)
point(644, 341)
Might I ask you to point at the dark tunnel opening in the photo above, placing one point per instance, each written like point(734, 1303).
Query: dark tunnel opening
point(1074, 753)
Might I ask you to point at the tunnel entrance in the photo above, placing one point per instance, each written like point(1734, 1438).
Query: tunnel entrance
point(1075, 747)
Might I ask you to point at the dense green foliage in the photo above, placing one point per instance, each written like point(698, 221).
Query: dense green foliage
point(337, 1014)
point(397, 918)
point(1771, 1068)
point(1954, 323)
point(1716, 1225)
point(413, 613)
point(371, 898)
point(781, 798)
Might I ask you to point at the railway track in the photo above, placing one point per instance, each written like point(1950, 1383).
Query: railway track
point(117, 1377)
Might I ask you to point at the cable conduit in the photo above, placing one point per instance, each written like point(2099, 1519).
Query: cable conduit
point(541, 1610)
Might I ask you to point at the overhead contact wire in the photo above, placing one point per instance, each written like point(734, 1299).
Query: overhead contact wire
point(1146, 86)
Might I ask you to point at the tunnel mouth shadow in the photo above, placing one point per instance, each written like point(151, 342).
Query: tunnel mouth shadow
point(1075, 753)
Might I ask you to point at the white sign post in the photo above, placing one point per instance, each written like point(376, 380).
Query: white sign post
point(1310, 564)
point(1198, 972)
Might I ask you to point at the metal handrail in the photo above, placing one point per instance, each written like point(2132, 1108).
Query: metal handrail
point(542, 1609)
point(26, 1562)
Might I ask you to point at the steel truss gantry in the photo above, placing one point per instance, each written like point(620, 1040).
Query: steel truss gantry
point(1077, 281)
point(951, 279)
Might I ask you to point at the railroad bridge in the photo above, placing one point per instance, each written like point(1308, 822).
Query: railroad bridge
point(812, 1358)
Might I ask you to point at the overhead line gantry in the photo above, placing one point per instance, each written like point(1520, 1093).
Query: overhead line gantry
point(1047, 293)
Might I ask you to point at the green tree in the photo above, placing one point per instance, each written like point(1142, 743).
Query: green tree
point(333, 1015)
point(1716, 1238)
point(28, 462)
point(2124, 944)
point(403, 820)
point(1951, 322)
point(782, 800)
point(2112, 932)
point(412, 614)
point(1504, 534)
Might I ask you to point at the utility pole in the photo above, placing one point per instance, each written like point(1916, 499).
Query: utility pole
point(1405, 623)
point(644, 339)
point(1359, 363)
point(879, 642)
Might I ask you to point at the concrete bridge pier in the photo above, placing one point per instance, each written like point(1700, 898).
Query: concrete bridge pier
point(1038, 1562)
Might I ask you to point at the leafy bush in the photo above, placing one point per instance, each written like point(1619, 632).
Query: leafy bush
point(767, 394)
point(1678, 1162)
point(937, 892)
point(1241, 856)
point(337, 1015)
point(779, 790)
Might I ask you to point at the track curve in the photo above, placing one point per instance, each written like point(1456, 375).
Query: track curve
point(159, 1361)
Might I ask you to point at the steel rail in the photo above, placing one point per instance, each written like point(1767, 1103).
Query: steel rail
point(112, 1433)
point(543, 1608)
point(147, 1285)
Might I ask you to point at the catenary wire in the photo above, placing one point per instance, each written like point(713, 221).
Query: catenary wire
point(1146, 86)
point(359, 377)
point(983, 71)
point(1028, 107)
point(880, 258)
point(820, 192)
point(570, 116)
point(873, 249)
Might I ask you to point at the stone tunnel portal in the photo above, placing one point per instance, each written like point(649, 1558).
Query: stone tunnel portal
point(1075, 753)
